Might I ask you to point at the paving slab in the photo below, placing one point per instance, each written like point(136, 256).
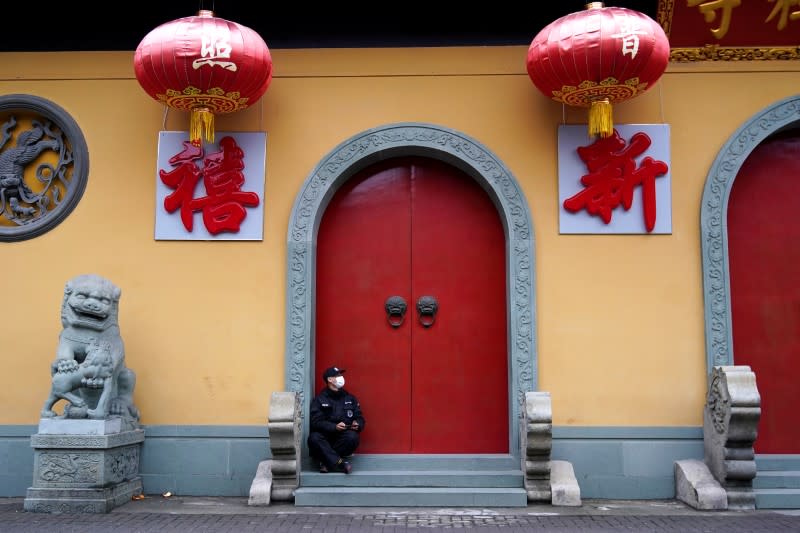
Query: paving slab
point(203, 514)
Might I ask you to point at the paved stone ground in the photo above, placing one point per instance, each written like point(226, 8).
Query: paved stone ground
point(196, 515)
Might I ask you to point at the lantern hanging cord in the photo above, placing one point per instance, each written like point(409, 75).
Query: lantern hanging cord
point(164, 121)
point(563, 113)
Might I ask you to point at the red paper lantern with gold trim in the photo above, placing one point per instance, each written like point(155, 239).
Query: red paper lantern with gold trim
point(205, 65)
point(597, 57)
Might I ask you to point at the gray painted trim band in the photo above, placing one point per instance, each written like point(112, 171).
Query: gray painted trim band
point(167, 431)
point(260, 432)
point(226, 432)
point(18, 431)
point(622, 432)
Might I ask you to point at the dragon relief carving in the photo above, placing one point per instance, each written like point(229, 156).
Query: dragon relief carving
point(19, 203)
point(89, 371)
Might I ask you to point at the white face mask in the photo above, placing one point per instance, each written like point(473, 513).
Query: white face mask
point(338, 382)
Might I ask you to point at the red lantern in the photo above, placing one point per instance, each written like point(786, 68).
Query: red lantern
point(204, 65)
point(597, 57)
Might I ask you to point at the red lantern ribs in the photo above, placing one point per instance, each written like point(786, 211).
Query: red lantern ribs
point(204, 65)
point(597, 57)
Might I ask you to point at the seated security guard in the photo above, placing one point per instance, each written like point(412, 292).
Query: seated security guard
point(336, 421)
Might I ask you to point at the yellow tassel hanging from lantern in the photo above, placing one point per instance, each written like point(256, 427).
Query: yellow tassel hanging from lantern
point(601, 120)
point(201, 124)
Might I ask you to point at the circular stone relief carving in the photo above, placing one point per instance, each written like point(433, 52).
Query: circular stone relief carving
point(44, 165)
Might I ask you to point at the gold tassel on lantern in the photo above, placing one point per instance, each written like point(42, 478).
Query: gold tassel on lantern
point(601, 121)
point(201, 124)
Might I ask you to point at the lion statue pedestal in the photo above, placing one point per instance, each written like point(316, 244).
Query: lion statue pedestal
point(86, 460)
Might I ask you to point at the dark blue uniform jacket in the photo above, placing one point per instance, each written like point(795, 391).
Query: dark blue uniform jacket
point(331, 407)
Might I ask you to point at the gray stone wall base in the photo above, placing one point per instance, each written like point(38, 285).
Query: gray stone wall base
point(563, 484)
point(696, 486)
point(81, 501)
point(261, 487)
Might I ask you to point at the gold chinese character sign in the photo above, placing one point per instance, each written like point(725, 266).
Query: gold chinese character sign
point(731, 30)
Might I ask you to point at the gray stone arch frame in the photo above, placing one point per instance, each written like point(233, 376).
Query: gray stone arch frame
point(714, 224)
point(464, 153)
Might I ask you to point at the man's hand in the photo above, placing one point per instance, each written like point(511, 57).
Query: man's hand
point(354, 426)
point(341, 426)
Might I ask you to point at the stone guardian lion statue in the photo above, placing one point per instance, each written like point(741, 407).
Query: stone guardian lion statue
point(89, 370)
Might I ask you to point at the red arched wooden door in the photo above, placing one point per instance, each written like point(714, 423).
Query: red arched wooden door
point(412, 228)
point(764, 258)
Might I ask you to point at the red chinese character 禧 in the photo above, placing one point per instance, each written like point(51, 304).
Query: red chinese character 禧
point(224, 205)
point(613, 175)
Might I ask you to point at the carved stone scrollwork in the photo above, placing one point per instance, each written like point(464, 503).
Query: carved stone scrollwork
point(44, 164)
point(730, 428)
point(545, 479)
point(537, 436)
point(284, 443)
point(277, 478)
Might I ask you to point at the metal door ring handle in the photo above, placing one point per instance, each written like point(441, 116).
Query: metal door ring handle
point(395, 310)
point(427, 307)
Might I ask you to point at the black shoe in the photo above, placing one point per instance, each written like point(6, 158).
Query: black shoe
point(323, 469)
point(346, 467)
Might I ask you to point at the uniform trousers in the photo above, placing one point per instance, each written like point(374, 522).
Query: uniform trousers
point(329, 448)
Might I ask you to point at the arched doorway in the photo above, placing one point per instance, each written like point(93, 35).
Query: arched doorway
point(764, 253)
point(471, 158)
point(416, 228)
point(733, 225)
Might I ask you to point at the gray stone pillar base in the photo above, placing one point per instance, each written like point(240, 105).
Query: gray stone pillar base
point(261, 487)
point(80, 501)
point(696, 486)
point(564, 485)
point(83, 466)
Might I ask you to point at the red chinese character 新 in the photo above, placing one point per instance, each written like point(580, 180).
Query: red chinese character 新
point(613, 176)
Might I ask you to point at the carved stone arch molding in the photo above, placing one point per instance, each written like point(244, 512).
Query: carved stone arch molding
point(714, 223)
point(44, 166)
point(425, 140)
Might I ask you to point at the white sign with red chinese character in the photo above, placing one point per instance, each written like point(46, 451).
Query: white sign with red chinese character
point(619, 184)
point(210, 192)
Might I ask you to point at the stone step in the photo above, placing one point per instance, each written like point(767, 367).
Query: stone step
point(410, 497)
point(777, 498)
point(394, 462)
point(777, 462)
point(774, 479)
point(414, 478)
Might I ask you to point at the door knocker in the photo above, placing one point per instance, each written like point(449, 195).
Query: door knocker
point(427, 306)
point(395, 310)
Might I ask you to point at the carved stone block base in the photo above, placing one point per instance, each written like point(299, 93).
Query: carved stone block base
point(84, 473)
point(81, 501)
